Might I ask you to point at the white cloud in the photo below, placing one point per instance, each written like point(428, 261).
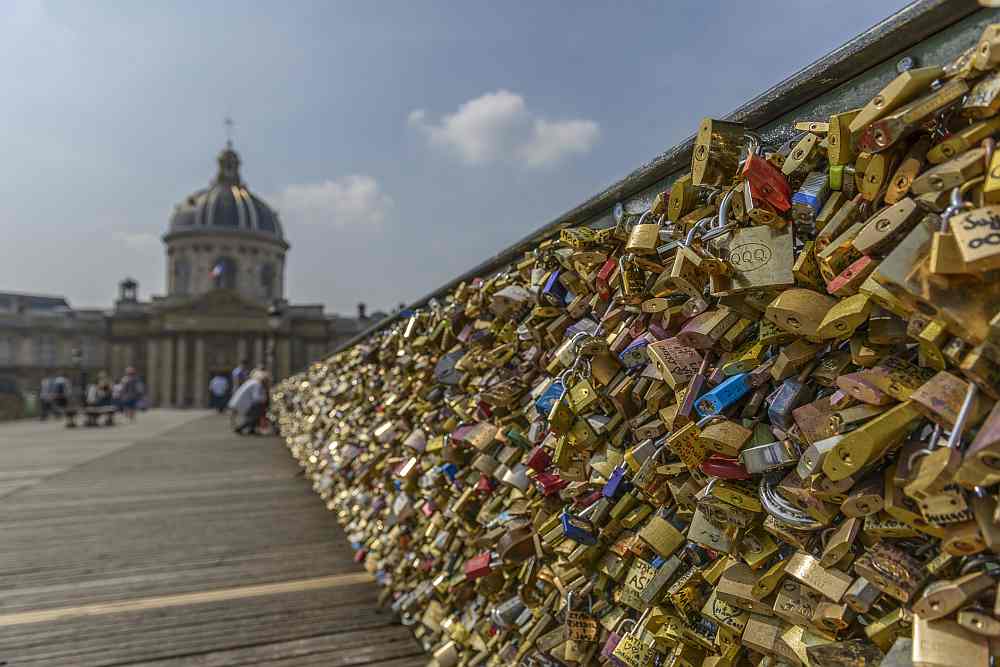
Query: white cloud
point(352, 201)
point(552, 140)
point(137, 240)
point(498, 126)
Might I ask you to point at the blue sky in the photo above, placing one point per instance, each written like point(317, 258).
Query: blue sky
point(401, 142)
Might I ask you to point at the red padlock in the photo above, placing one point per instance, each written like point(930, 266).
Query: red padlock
point(854, 273)
point(604, 277)
point(478, 566)
point(767, 183)
point(549, 483)
point(724, 467)
point(538, 459)
point(587, 499)
point(484, 485)
point(483, 410)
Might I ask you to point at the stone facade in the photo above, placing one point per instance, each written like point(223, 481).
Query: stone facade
point(225, 264)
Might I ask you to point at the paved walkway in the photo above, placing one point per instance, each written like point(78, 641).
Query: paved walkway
point(174, 543)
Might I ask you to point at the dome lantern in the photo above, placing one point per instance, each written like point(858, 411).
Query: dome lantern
point(229, 166)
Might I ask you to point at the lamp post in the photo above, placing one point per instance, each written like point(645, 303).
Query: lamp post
point(274, 320)
point(77, 355)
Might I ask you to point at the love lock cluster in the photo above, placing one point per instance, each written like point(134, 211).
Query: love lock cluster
point(753, 423)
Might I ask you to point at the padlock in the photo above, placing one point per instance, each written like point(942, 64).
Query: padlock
point(944, 642)
point(716, 153)
point(644, 237)
point(906, 120)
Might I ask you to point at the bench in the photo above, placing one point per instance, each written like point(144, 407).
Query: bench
point(92, 414)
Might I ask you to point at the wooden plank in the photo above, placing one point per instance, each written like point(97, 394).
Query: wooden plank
point(183, 599)
point(189, 546)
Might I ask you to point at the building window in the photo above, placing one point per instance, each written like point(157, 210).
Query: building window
point(224, 273)
point(45, 351)
point(267, 280)
point(182, 275)
point(6, 350)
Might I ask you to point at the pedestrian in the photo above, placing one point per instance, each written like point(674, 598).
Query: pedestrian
point(45, 398)
point(60, 395)
point(250, 401)
point(240, 373)
point(131, 392)
point(218, 388)
point(116, 396)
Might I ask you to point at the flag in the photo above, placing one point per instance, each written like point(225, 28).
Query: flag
point(217, 270)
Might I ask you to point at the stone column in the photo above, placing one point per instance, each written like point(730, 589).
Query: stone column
point(152, 370)
point(241, 350)
point(182, 374)
point(167, 372)
point(283, 359)
point(258, 352)
point(200, 379)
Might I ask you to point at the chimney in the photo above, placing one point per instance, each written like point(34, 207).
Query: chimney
point(361, 311)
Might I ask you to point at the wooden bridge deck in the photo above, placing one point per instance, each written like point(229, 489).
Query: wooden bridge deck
point(174, 543)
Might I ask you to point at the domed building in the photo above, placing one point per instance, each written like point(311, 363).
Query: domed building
point(225, 276)
point(225, 302)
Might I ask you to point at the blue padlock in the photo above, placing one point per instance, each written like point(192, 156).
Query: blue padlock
point(635, 354)
point(616, 483)
point(554, 292)
point(724, 395)
point(451, 470)
point(578, 529)
point(811, 195)
point(544, 403)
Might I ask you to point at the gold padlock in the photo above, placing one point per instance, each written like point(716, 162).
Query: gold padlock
point(716, 153)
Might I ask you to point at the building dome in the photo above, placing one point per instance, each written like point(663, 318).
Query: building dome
point(226, 206)
point(225, 237)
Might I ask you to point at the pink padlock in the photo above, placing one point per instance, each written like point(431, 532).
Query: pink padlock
point(612, 643)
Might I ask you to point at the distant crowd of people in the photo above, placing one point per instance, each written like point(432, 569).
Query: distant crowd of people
point(246, 393)
point(126, 395)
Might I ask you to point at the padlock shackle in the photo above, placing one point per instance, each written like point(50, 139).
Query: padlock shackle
point(956, 202)
point(618, 625)
point(783, 511)
point(920, 453)
point(710, 419)
point(955, 438)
